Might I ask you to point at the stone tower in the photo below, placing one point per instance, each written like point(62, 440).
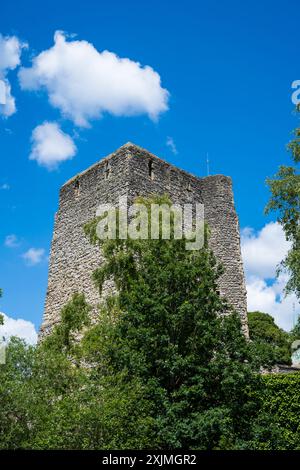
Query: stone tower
point(133, 171)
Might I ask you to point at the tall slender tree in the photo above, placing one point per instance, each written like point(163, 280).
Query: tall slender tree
point(285, 203)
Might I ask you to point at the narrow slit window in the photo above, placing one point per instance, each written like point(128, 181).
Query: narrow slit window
point(107, 170)
point(168, 178)
point(77, 188)
point(150, 168)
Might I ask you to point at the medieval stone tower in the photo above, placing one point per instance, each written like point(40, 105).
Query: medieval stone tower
point(133, 171)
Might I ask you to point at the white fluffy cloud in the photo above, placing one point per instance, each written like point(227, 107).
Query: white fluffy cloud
point(34, 256)
point(11, 241)
point(262, 252)
point(10, 56)
point(51, 146)
point(10, 52)
point(2, 92)
point(8, 103)
point(271, 299)
point(84, 83)
point(21, 328)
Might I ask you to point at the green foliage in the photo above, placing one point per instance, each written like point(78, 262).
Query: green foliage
point(294, 145)
point(14, 415)
point(295, 333)
point(271, 342)
point(49, 400)
point(74, 316)
point(34, 383)
point(103, 413)
point(161, 368)
point(164, 328)
point(285, 202)
point(282, 401)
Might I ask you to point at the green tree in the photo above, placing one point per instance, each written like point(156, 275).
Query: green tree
point(282, 401)
point(89, 410)
point(14, 414)
point(51, 400)
point(165, 366)
point(165, 328)
point(295, 333)
point(285, 202)
point(73, 318)
point(272, 343)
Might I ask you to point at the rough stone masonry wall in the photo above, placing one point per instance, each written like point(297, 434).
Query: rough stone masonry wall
point(133, 171)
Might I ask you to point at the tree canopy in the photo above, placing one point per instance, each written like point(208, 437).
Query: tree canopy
point(285, 203)
point(164, 366)
point(271, 342)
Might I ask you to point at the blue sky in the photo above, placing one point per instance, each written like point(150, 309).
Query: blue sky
point(228, 68)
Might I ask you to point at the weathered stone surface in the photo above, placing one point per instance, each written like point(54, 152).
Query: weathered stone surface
point(126, 172)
